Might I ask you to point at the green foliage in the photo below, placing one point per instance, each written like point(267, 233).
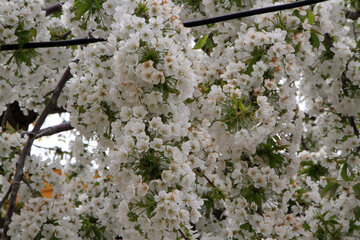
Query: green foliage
point(269, 151)
point(206, 43)
point(237, 114)
point(310, 16)
point(253, 194)
point(352, 225)
point(23, 55)
point(169, 86)
point(330, 189)
point(345, 170)
point(356, 189)
point(201, 42)
point(256, 55)
point(328, 228)
point(313, 170)
point(314, 39)
point(149, 204)
point(84, 9)
point(111, 116)
point(39, 235)
point(328, 43)
point(133, 217)
point(354, 4)
point(90, 229)
point(205, 87)
point(59, 33)
point(142, 11)
point(150, 165)
point(148, 53)
point(24, 35)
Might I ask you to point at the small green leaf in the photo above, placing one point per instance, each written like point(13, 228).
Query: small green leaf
point(81, 10)
point(356, 189)
point(331, 187)
point(344, 173)
point(201, 42)
point(297, 48)
point(310, 17)
point(314, 40)
point(357, 212)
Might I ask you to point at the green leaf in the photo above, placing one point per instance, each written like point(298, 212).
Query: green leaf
point(344, 173)
point(357, 212)
point(275, 160)
point(314, 40)
point(356, 189)
point(331, 187)
point(297, 48)
point(310, 17)
point(81, 7)
point(201, 42)
point(98, 234)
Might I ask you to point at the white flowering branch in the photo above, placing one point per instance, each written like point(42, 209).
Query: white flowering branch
point(18, 177)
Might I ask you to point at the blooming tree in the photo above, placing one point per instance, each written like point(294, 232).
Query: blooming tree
point(245, 129)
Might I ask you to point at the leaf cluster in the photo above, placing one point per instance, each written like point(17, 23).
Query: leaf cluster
point(238, 114)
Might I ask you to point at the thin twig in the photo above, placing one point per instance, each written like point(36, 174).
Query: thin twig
point(303, 143)
point(65, 35)
point(5, 197)
point(26, 181)
point(183, 235)
point(53, 8)
point(355, 31)
point(198, 171)
point(18, 176)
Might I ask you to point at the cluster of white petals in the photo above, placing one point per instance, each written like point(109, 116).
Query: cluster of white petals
point(252, 135)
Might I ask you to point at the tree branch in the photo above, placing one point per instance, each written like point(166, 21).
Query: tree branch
point(26, 181)
point(5, 197)
point(53, 8)
point(183, 235)
point(15, 185)
point(62, 127)
point(5, 116)
point(353, 15)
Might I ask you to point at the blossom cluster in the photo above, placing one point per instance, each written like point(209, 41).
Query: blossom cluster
point(246, 129)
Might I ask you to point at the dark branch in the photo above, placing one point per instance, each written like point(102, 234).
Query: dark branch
point(55, 129)
point(5, 116)
point(26, 181)
point(303, 144)
point(353, 15)
point(18, 177)
point(183, 235)
point(61, 43)
point(5, 197)
point(53, 8)
point(251, 12)
point(196, 23)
